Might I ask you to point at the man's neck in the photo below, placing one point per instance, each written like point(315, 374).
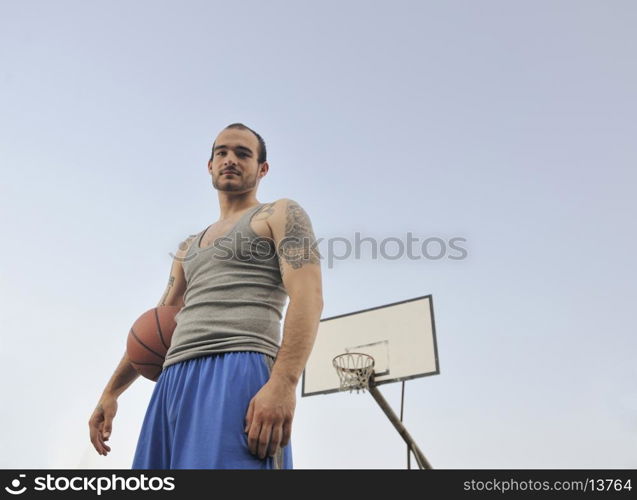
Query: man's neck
point(233, 203)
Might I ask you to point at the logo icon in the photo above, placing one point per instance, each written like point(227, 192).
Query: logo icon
point(16, 484)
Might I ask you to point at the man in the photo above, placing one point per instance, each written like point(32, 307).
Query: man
point(226, 395)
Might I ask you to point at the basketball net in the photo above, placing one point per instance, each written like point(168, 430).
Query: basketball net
point(355, 370)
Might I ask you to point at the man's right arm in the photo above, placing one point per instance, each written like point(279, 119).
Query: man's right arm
point(101, 421)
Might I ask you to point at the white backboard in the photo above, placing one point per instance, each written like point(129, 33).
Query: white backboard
point(401, 337)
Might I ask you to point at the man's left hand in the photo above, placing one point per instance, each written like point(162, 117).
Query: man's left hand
point(269, 418)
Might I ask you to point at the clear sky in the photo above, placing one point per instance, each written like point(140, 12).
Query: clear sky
point(510, 124)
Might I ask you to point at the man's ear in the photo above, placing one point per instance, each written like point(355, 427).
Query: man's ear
point(210, 166)
point(263, 169)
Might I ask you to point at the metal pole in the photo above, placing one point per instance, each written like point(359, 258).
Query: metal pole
point(420, 457)
point(402, 410)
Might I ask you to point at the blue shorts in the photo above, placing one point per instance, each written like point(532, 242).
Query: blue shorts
point(196, 415)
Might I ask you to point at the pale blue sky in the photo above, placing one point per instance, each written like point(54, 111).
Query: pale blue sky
point(510, 124)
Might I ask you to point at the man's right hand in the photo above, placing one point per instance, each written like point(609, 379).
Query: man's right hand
point(101, 423)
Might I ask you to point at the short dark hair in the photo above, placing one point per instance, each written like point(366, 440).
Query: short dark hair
point(262, 154)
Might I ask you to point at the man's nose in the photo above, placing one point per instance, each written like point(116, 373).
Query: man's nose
point(229, 160)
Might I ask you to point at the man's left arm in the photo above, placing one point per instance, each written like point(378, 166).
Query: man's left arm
point(270, 413)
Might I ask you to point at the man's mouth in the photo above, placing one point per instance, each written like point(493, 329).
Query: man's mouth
point(226, 172)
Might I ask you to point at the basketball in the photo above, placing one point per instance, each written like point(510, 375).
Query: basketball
point(149, 339)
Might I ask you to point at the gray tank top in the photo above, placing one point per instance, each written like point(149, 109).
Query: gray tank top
point(234, 296)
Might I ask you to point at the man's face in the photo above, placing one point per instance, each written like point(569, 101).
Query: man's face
point(234, 165)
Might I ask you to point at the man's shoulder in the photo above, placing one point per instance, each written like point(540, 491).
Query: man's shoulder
point(280, 211)
point(271, 216)
point(285, 216)
point(185, 245)
point(282, 205)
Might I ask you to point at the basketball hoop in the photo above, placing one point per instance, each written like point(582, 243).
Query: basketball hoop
point(354, 370)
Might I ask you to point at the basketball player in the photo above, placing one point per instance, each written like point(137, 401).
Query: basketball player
point(226, 395)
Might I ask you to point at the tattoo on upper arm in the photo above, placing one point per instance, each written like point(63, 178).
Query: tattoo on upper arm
point(298, 246)
point(171, 282)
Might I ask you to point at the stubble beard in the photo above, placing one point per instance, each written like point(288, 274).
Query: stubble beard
point(244, 185)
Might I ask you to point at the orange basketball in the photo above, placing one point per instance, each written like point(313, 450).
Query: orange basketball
point(149, 339)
